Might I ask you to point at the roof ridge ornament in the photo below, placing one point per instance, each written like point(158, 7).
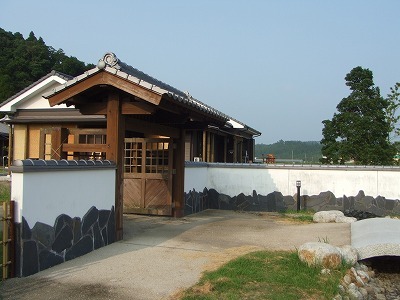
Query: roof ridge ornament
point(109, 59)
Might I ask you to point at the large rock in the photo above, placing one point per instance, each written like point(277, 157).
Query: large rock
point(344, 219)
point(320, 254)
point(349, 254)
point(327, 216)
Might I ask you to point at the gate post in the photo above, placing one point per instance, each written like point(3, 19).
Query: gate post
point(8, 244)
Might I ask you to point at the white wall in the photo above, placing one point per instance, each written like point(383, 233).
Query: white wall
point(233, 179)
point(43, 196)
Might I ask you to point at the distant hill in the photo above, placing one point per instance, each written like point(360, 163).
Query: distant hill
point(23, 61)
point(309, 152)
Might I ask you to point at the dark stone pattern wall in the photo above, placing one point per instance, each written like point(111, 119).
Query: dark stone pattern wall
point(275, 201)
point(44, 246)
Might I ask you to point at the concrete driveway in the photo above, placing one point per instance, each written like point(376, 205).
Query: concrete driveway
point(160, 256)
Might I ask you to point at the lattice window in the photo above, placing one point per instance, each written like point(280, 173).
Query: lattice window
point(146, 156)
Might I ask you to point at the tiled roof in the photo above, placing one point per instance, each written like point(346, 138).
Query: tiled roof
point(110, 63)
point(52, 73)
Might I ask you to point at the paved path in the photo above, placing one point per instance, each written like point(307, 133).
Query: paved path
point(161, 256)
point(376, 237)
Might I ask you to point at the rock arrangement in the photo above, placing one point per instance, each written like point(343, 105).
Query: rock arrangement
point(361, 283)
point(360, 206)
point(335, 216)
point(45, 246)
point(326, 255)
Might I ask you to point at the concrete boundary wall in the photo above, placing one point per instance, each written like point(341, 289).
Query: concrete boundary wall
point(358, 191)
point(64, 209)
point(233, 179)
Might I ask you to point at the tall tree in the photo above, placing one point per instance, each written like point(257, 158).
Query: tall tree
point(359, 130)
point(23, 61)
point(394, 103)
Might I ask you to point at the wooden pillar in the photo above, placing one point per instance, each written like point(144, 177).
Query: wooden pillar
point(225, 148)
point(235, 149)
point(178, 189)
point(115, 140)
point(204, 150)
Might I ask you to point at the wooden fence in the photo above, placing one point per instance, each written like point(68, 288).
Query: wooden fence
point(8, 243)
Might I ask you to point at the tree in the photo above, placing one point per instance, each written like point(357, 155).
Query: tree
point(394, 102)
point(359, 130)
point(23, 61)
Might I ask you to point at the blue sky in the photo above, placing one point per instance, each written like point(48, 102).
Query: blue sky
point(278, 66)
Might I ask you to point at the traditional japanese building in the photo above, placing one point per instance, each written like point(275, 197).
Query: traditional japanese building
point(116, 112)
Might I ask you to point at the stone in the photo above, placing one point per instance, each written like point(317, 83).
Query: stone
point(212, 195)
point(97, 238)
point(363, 292)
point(354, 293)
point(63, 240)
point(103, 217)
point(342, 290)
point(344, 219)
point(26, 232)
point(43, 233)
point(89, 219)
point(327, 216)
point(363, 275)
point(61, 220)
point(321, 254)
point(349, 255)
point(83, 246)
point(104, 235)
point(30, 260)
point(49, 259)
point(325, 271)
point(224, 202)
point(76, 229)
point(347, 279)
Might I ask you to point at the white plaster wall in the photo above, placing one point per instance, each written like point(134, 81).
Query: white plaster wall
point(43, 196)
point(343, 181)
point(17, 185)
point(195, 178)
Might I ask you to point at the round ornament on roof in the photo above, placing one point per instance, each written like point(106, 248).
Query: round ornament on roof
point(111, 60)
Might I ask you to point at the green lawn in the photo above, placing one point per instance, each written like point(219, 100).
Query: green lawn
point(266, 275)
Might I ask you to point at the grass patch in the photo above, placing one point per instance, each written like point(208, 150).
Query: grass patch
point(266, 275)
point(5, 191)
point(303, 216)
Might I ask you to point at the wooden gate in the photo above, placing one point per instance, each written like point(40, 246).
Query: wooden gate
point(148, 176)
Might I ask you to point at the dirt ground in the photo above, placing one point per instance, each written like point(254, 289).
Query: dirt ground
point(161, 256)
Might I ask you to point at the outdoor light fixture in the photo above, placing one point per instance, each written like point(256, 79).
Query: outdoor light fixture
point(298, 185)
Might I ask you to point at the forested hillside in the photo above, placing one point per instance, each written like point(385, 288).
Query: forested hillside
point(306, 151)
point(23, 61)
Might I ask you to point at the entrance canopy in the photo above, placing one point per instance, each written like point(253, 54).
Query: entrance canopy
point(143, 95)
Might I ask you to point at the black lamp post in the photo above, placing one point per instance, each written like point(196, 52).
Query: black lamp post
point(298, 185)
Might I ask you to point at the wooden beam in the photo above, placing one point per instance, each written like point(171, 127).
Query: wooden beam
point(105, 78)
point(100, 131)
point(151, 128)
point(98, 108)
point(84, 148)
point(136, 108)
